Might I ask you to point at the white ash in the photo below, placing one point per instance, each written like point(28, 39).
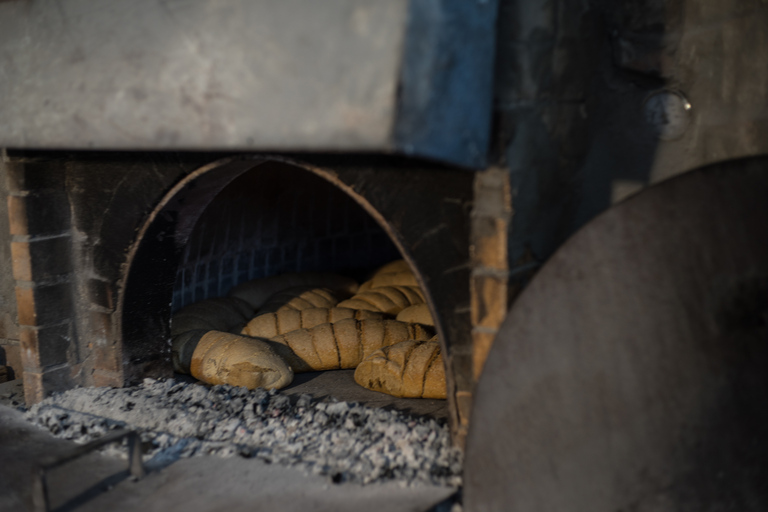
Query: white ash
point(346, 441)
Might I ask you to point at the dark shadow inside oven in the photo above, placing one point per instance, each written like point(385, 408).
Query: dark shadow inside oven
point(273, 220)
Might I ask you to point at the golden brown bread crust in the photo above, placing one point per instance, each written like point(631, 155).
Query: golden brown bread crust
point(343, 344)
point(434, 381)
point(365, 287)
point(225, 358)
point(269, 325)
point(192, 321)
point(394, 273)
point(393, 267)
point(410, 369)
point(416, 314)
point(394, 279)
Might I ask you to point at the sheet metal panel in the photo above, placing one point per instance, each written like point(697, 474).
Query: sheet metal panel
point(249, 75)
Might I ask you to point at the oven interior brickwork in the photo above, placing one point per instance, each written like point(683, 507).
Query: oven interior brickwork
point(269, 222)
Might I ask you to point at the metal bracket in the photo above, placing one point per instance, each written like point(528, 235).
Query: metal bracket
point(40, 499)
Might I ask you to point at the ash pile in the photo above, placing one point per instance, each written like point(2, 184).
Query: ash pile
point(346, 441)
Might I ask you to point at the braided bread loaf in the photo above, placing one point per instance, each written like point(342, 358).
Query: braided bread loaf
point(269, 325)
point(307, 329)
point(342, 344)
point(416, 314)
point(397, 272)
point(410, 369)
point(390, 279)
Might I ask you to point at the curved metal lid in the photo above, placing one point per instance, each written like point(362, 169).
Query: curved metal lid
point(632, 373)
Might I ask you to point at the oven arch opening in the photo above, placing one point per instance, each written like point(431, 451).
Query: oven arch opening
point(162, 273)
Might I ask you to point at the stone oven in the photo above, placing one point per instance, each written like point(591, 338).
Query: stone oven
point(155, 153)
point(106, 245)
point(371, 107)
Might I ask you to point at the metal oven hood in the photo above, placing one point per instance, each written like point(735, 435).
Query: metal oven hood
point(408, 76)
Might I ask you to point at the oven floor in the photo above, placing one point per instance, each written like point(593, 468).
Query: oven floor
point(340, 384)
point(199, 484)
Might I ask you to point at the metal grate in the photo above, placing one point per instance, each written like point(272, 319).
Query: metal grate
point(272, 221)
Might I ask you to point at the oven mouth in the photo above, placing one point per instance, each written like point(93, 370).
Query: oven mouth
point(242, 221)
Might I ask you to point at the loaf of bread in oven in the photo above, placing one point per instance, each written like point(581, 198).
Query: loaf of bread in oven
point(397, 272)
point(269, 325)
point(391, 279)
point(226, 358)
point(257, 292)
point(416, 314)
point(190, 322)
point(386, 299)
point(200, 346)
point(409, 369)
point(343, 344)
point(307, 329)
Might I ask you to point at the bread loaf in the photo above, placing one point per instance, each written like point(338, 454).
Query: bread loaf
point(394, 279)
point(386, 299)
point(225, 358)
point(191, 322)
point(343, 344)
point(416, 314)
point(303, 327)
point(397, 272)
point(269, 325)
point(257, 292)
point(410, 369)
point(300, 298)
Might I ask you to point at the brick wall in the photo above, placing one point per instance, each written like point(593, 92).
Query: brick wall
point(40, 248)
point(10, 349)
